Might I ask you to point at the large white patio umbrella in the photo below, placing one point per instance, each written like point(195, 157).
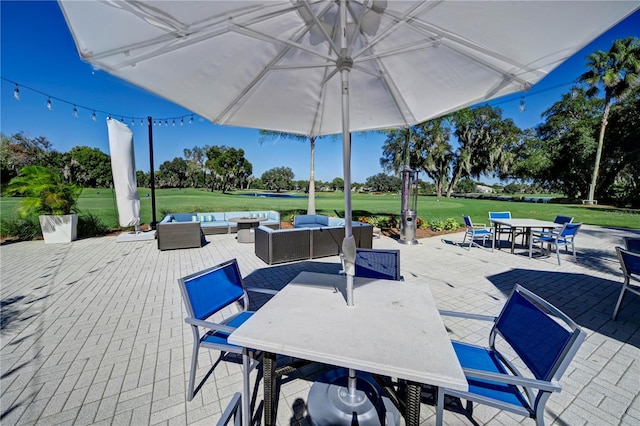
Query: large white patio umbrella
point(334, 66)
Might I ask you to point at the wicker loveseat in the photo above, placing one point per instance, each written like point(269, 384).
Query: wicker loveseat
point(184, 230)
point(286, 245)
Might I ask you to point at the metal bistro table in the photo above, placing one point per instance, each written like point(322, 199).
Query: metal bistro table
point(246, 233)
point(527, 225)
point(394, 330)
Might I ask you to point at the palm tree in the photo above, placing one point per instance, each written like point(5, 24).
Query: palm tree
point(273, 135)
point(618, 71)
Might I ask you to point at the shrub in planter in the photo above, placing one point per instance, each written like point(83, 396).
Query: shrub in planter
point(47, 194)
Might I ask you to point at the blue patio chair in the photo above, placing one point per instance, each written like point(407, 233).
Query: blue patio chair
point(560, 220)
point(378, 263)
point(205, 295)
point(632, 244)
point(477, 231)
point(564, 237)
point(630, 265)
point(501, 229)
point(542, 338)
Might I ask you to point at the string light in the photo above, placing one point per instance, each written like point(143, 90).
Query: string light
point(49, 106)
point(166, 123)
point(173, 123)
point(93, 116)
point(75, 111)
point(16, 93)
point(181, 121)
point(133, 122)
point(141, 122)
point(522, 104)
point(191, 120)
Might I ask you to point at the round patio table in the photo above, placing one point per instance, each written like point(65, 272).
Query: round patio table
point(246, 233)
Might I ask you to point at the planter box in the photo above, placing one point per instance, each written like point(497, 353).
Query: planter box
point(59, 229)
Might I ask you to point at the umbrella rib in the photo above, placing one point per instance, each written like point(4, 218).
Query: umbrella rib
point(392, 52)
point(269, 38)
point(236, 103)
point(321, 27)
point(450, 40)
point(400, 21)
point(180, 35)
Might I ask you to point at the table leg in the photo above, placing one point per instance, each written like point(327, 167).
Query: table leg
point(412, 414)
point(246, 394)
point(269, 377)
point(513, 240)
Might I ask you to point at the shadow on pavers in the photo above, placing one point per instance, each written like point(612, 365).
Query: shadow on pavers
point(587, 299)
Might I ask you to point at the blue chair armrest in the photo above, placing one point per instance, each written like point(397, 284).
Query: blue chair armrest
point(551, 386)
point(262, 290)
point(468, 316)
point(209, 325)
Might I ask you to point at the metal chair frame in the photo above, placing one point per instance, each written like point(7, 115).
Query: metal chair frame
point(205, 294)
point(630, 265)
point(476, 231)
point(543, 338)
point(564, 237)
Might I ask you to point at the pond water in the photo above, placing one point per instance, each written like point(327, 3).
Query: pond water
point(272, 195)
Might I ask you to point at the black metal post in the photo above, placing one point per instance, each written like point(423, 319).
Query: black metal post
point(152, 179)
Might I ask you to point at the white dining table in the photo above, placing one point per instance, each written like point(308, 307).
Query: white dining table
point(528, 225)
point(393, 330)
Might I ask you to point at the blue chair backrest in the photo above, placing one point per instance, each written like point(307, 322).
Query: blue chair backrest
point(632, 244)
point(570, 229)
point(206, 292)
point(376, 263)
point(536, 337)
point(499, 215)
point(563, 219)
point(467, 221)
point(629, 261)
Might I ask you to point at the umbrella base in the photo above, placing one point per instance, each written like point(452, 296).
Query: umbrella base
point(329, 402)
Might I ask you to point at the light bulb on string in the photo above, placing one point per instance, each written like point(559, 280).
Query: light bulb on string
point(182, 121)
point(75, 112)
point(141, 122)
point(93, 116)
point(133, 122)
point(522, 105)
point(166, 123)
point(174, 123)
point(16, 93)
point(191, 120)
point(49, 106)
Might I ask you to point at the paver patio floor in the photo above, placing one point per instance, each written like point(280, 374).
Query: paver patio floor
point(92, 332)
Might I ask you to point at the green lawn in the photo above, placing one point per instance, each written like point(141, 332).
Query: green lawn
point(102, 203)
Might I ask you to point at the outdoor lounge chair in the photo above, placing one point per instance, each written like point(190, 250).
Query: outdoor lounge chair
point(205, 295)
point(542, 338)
point(630, 265)
point(378, 263)
point(477, 231)
point(564, 237)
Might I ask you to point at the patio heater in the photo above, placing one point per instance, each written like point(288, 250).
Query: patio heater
point(409, 205)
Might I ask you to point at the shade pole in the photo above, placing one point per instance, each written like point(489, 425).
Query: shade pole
point(152, 179)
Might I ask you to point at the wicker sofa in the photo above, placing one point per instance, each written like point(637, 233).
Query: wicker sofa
point(185, 230)
point(286, 245)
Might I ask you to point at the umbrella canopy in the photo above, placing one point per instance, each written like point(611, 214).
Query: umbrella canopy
point(274, 64)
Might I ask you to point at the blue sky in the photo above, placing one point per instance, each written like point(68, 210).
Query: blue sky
point(37, 50)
